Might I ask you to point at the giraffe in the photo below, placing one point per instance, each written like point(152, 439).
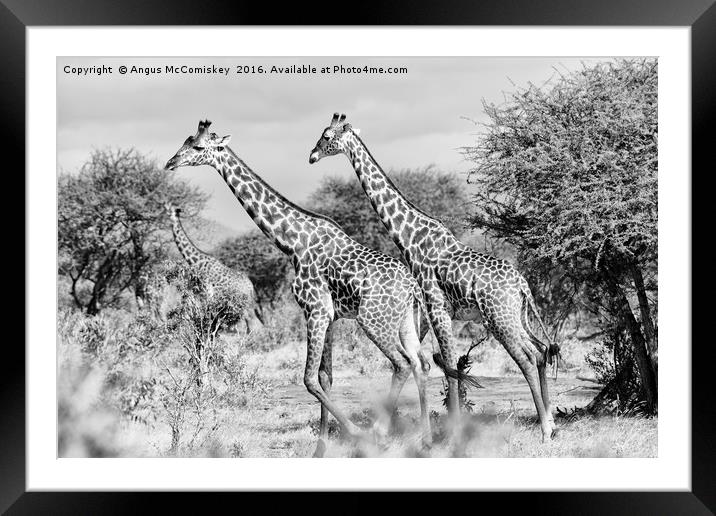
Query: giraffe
point(149, 292)
point(457, 281)
point(336, 277)
point(218, 276)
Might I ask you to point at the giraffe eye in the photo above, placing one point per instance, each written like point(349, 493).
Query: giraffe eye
point(196, 147)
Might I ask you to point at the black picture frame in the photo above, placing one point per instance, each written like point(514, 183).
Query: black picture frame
point(17, 15)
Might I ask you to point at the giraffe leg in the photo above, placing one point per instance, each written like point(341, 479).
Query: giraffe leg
point(421, 379)
point(411, 343)
point(422, 321)
point(325, 378)
point(526, 357)
point(384, 336)
point(542, 372)
point(442, 325)
point(401, 372)
point(318, 320)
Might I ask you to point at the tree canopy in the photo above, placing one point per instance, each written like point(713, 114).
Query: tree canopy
point(572, 169)
point(112, 224)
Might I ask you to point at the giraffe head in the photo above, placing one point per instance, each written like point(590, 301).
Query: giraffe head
point(198, 149)
point(333, 140)
point(171, 211)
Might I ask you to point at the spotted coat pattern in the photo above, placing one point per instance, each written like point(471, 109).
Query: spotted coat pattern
point(336, 277)
point(217, 277)
point(150, 290)
point(456, 280)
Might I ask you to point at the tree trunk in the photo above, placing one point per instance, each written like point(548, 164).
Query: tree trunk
point(73, 291)
point(99, 290)
point(609, 392)
point(643, 362)
point(650, 332)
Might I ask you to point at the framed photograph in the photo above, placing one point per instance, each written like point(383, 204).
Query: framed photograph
point(447, 241)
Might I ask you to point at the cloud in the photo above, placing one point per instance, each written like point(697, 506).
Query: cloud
point(408, 120)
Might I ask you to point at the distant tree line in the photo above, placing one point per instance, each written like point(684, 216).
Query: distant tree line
point(439, 193)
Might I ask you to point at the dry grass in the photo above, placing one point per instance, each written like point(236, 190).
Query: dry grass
point(260, 407)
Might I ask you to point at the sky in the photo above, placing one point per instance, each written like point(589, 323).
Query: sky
point(407, 120)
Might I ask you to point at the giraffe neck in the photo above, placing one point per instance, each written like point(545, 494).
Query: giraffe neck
point(401, 218)
point(188, 250)
point(285, 223)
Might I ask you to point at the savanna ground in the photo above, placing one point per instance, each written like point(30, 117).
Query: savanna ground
point(123, 394)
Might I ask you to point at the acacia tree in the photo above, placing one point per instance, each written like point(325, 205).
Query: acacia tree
point(567, 173)
point(440, 194)
point(112, 225)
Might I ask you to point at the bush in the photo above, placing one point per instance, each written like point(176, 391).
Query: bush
point(117, 370)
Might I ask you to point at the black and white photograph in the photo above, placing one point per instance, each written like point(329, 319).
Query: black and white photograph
point(384, 257)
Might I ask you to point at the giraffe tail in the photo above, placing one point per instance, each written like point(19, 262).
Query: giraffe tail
point(421, 310)
point(550, 349)
point(457, 374)
point(422, 324)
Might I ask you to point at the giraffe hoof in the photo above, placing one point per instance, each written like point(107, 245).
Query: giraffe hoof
point(352, 431)
point(548, 435)
point(320, 450)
